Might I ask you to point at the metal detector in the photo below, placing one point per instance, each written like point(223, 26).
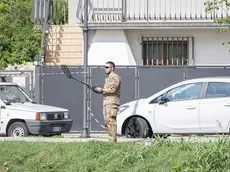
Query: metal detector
point(69, 76)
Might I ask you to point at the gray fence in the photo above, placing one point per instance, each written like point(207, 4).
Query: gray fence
point(24, 78)
point(137, 82)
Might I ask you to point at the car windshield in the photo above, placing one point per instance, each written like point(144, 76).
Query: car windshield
point(13, 94)
point(180, 90)
point(188, 91)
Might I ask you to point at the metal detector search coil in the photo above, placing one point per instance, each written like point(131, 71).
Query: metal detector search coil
point(69, 75)
point(66, 71)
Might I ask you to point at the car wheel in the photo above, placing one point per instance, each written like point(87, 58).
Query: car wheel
point(18, 129)
point(137, 128)
point(51, 135)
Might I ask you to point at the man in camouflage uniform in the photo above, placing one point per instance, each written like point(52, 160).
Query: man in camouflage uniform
point(111, 99)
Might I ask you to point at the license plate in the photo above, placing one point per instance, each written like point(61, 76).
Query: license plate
point(55, 129)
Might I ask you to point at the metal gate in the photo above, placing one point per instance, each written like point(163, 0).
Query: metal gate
point(53, 88)
point(24, 78)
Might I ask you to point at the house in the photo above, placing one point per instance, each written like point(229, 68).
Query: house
point(128, 32)
point(152, 32)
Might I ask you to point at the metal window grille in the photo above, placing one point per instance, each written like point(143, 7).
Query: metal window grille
point(167, 50)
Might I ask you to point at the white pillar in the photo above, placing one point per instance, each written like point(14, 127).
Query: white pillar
point(110, 45)
point(72, 9)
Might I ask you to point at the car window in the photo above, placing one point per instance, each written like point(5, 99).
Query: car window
point(157, 99)
point(185, 92)
point(218, 89)
point(12, 93)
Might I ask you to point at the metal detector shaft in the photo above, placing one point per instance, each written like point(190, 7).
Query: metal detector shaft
point(81, 82)
point(69, 75)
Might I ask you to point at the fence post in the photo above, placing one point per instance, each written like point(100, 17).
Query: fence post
point(124, 10)
point(38, 85)
point(85, 130)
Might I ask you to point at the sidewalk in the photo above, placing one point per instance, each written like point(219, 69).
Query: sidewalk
point(104, 137)
point(67, 138)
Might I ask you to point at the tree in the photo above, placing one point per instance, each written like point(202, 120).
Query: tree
point(19, 42)
point(216, 5)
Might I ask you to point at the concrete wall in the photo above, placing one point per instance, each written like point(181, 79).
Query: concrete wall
point(109, 45)
point(124, 47)
point(72, 7)
point(208, 48)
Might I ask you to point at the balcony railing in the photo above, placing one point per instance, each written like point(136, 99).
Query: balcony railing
point(148, 10)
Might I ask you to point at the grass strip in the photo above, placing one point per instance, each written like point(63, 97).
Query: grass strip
point(164, 155)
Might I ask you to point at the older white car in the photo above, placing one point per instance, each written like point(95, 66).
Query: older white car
point(20, 115)
point(196, 106)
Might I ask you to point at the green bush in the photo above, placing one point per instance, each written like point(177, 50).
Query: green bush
point(19, 43)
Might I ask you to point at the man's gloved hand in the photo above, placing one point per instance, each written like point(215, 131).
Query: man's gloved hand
point(96, 89)
point(92, 87)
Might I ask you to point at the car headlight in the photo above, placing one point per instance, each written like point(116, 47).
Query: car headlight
point(40, 116)
point(122, 108)
point(66, 115)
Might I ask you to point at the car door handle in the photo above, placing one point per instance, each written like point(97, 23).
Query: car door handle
point(191, 107)
point(227, 105)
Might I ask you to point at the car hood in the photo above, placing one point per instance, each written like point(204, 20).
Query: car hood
point(134, 102)
point(34, 107)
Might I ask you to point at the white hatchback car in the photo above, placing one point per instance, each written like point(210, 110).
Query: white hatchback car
point(196, 106)
point(20, 115)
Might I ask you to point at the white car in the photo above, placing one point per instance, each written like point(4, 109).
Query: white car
point(196, 106)
point(20, 115)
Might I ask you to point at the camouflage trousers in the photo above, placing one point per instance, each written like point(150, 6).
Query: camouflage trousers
point(110, 119)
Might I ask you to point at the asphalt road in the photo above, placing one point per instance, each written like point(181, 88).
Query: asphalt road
point(103, 137)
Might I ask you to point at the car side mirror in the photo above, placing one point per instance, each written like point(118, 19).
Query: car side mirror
point(7, 102)
point(163, 100)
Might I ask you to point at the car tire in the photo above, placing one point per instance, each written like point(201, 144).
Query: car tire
point(137, 128)
point(51, 135)
point(18, 129)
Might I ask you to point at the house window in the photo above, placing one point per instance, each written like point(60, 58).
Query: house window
point(166, 51)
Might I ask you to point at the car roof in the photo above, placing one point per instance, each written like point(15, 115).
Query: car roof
point(188, 81)
point(204, 79)
point(214, 78)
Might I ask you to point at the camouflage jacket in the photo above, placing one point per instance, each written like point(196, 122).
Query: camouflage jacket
point(112, 81)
